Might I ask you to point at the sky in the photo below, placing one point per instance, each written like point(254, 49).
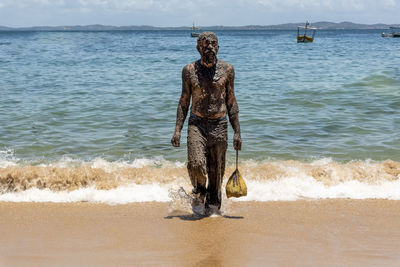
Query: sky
point(24, 13)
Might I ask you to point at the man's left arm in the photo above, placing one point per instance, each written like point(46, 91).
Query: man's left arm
point(233, 109)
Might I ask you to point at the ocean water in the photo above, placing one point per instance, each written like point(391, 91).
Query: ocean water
point(88, 116)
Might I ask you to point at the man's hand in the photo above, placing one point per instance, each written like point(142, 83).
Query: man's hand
point(176, 139)
point(237, 142)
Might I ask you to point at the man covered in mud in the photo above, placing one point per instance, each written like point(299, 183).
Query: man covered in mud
point(208, 83)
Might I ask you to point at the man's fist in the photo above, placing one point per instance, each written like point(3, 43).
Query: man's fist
point(176, 139)
point(237, 141)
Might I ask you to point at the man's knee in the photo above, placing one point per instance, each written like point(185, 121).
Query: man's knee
point(198, 176)
point(197, 168)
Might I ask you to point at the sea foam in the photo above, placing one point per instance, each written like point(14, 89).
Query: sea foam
point(289, 189)
point(143, 180)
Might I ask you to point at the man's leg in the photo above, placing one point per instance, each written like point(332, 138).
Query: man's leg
point(216, 154)
point(216, 170)
point(197, 158)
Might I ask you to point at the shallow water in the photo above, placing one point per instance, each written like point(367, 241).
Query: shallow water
point(113, 95)
point(88, 116)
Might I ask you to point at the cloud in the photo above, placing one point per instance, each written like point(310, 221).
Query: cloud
point(190, 5)
point(99, 4)
point(203, 12)
point(30, 3)
point(354, 5)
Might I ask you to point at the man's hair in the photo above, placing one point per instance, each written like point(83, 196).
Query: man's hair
point(205, 35)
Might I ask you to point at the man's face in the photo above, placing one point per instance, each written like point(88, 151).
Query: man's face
point(208, 48)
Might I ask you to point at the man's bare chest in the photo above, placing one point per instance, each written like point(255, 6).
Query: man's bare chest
point(209, 82)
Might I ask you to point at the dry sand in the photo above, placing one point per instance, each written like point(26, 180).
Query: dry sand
point(312, 233)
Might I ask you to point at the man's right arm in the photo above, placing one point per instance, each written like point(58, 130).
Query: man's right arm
point(183, 106)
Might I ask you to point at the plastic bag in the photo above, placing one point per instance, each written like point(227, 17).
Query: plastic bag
point(236, 187)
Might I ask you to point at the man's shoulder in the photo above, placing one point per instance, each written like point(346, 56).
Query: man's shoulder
point(188, 70)
point(225, 65)
point(189, 66)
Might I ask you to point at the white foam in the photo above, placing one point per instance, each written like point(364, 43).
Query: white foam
point(286, 189)
point(7, 158)
point(294, 184)
point(110, 166)
point(120, 195)
point(291, 189)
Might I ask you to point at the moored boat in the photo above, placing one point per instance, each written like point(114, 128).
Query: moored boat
point(194, 33)
point(385, 34)
point(395, 33)
point(303, 37)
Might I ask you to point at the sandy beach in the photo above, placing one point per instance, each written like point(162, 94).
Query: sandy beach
point(317, 232)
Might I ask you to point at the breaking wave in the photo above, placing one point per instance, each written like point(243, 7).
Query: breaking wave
point(153, 180)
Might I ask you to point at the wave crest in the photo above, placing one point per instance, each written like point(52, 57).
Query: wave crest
point(103, 175)
point(99, 174)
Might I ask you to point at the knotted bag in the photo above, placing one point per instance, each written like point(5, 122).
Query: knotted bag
point(236, 187)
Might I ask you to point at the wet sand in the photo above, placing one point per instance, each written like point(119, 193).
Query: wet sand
point(323, 232)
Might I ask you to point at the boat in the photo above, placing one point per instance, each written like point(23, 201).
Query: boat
point(385, 34)
point(395, 32)
point(193, 32)
point(303, 37)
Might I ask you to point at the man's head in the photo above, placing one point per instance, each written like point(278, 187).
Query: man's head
point(207, 45)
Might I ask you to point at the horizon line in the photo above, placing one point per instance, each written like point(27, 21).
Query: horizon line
point(231, 26)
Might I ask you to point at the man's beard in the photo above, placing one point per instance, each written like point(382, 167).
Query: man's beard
point(209, 58)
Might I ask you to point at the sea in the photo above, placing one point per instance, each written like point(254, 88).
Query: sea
point(88, 116)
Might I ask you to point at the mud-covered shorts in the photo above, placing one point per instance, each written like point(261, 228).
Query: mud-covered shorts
point(207, 144)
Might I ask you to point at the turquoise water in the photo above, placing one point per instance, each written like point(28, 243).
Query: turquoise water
point(113, 95)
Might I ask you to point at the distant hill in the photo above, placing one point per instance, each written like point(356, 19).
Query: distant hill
point(3, 28)
point(322, 25)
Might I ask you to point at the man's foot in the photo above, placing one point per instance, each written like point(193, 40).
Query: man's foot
point(198, 201)
point(212, 210)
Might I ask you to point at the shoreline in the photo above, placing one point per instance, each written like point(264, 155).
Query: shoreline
point(305, 232)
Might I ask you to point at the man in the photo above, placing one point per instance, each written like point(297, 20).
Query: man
point(209, 83)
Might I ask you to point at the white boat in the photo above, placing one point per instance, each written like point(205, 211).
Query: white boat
point(193, 33)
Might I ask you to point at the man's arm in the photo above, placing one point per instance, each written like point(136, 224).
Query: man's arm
point(183, 107)
point(233, 109)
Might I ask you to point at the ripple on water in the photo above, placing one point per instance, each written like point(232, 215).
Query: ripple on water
point(113, 94)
